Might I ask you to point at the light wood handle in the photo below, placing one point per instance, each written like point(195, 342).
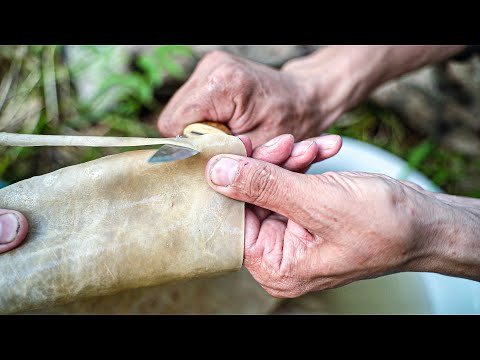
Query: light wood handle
point(206, 127)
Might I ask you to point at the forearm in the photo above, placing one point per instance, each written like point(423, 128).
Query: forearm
point(339, 77)
point(451, 235)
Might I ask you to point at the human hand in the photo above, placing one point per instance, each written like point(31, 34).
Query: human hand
point(314, 232)
point(251, 98)
point(13, 229)
point(304, 98)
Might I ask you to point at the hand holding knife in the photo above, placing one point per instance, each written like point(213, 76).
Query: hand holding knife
point(170, 149)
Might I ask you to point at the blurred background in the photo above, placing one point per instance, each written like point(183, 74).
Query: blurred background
point(430, 118)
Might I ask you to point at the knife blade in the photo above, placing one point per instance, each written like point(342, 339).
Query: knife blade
point(167, 153)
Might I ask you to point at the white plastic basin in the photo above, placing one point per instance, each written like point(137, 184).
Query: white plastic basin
point(411, 293)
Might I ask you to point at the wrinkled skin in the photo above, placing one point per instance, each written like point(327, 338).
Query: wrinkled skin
point(314, 232)
point(251, 98)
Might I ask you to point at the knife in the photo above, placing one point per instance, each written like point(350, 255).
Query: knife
point(175, 150)
point(169, 152)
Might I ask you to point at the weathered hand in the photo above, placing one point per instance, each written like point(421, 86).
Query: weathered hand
point(325, 230)
point(251, 98)
point(304, 98)
point(13, 229)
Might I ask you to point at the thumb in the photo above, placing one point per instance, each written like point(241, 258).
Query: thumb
point(13, 229)
point(262, 184)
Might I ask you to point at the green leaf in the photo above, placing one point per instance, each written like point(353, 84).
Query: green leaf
point(90, 154)
point(441, 176)
point(129, 107)
point(152, 70)
point(419, 153)
point(36, 49)
point(474, 194)
point(416, 157)
point(42, 122)
point(133, 84)
point(9, 158)
point(128, 126)
point(164, 55)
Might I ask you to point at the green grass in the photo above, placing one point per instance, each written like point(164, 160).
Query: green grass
point(452, 171)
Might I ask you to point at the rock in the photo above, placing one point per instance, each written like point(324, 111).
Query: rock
point(467, 73)
point(411, 97)
point(441, 101)
point(463, 141)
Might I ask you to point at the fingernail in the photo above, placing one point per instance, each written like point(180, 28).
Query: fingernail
point(301, 148)
point(9, 227)
point(326, 142)
point(223, 172)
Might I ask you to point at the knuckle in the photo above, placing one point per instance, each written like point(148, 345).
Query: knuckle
point(210, 59)
point(259, 183)
point(240, 76)
point(229, 75)
point(216, 55)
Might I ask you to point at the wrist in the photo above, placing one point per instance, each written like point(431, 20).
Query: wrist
point(336, 78)
point(446, 237)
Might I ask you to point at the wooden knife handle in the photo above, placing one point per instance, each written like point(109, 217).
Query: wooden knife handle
point(206, 127)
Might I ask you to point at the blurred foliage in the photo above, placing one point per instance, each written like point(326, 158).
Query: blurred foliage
point(137, 87)
point(452, 171)
point(38, 95)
